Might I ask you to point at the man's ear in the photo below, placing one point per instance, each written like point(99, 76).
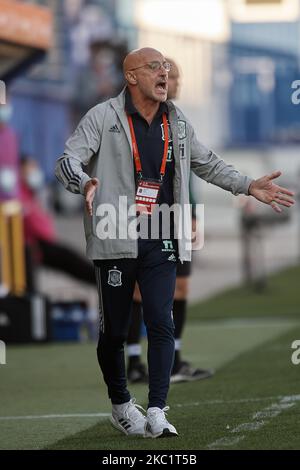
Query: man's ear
point(131, 78)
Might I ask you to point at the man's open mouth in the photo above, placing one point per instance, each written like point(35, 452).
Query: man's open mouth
point(161, 87)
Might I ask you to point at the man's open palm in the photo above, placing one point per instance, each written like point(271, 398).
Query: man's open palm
point(264, 190)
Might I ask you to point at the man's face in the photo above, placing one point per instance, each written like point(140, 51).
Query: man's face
point(152, 84)
point(173, 83)
point(5, 113)
point(28, 167)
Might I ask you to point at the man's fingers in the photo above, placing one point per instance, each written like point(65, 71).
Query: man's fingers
point(275, 207)
point(274, 175)
point(89, 200)
point(89, 208)
point(281, 197)
point(283, 202)
point(285, 191)
point(91, 193)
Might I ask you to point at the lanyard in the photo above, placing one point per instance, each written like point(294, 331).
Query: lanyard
point(136, 155)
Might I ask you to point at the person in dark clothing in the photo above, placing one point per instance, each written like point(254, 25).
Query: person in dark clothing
point(42, 247)
point(123, 188)
point(182, 371)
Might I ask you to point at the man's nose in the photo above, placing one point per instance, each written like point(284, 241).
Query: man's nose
point(162, 71)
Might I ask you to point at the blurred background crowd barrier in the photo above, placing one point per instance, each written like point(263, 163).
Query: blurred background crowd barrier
point(58, 58)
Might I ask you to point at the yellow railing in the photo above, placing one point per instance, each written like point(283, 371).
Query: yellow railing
point(12, 248)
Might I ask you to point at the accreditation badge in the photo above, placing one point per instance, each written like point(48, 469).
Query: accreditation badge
point(147, 195)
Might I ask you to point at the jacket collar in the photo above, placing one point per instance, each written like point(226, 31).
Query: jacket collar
point(118, 103)
point(131, 109)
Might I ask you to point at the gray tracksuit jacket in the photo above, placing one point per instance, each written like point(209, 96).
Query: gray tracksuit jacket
point(101, 147)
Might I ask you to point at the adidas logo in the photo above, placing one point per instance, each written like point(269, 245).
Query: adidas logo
point(172, 257)
point(114, 128)
point(125, 424)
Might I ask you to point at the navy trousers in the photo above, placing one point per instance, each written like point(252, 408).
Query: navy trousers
point(155, 271)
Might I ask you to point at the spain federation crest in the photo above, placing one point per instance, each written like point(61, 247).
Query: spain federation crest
point(181, 129)
point(114, 277)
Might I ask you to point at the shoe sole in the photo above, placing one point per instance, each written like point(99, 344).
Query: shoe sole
point(117, 426)
point(165, 433)
point(177, 378)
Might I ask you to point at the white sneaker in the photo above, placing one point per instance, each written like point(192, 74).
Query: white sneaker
point(128, 419)
point(157, 424)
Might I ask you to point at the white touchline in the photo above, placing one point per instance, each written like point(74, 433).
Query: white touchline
point(56, 416)
point(226, 441)
point(257, 421)
point(272, 409)
point(227, 402)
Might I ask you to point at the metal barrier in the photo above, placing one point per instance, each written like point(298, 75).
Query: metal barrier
point(254, 218)
point(12, 253)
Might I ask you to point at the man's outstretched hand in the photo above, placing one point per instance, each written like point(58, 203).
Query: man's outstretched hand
point(266, 191)
point(89, 193)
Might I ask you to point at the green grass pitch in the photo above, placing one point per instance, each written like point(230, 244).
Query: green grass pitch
point(52, 396)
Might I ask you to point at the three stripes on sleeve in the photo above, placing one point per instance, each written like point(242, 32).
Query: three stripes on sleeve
point(69, 174)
